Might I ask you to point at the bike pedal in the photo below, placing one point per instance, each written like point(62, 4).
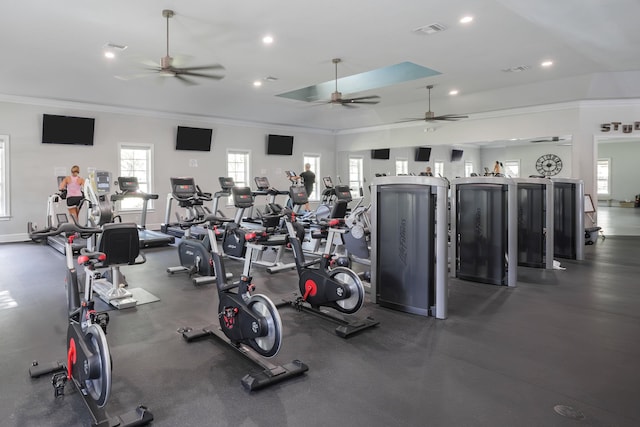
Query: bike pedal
point(101, 319)
point(59, 380)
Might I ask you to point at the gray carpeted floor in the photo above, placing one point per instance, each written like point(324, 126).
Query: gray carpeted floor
point(504, 357)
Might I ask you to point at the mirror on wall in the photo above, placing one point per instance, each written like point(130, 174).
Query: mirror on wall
point(617, 177)
point(550, 156)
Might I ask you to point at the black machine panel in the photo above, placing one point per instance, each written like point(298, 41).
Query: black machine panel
point(262, 183)
point(482, 233)
point(298, 195)
point(183, 187)
point(128, 183)
point(226, 182)
point(242, 197)
point(405, 264)
point(531, 225)
point(343, 192)
point(564, 206)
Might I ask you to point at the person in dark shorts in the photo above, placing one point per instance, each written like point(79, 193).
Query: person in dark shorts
point(308, 179)
point(73, 184)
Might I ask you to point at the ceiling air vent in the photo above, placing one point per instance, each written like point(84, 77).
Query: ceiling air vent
point(429, 29)
point(517, 69)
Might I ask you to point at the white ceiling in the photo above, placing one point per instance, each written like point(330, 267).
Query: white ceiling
point(54, 50)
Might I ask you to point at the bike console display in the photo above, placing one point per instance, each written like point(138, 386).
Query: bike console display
point(343, 192)
point(298, 195)
point(226, 182)
point(183, 187)
point(242, 197)
point(262, 182)
point(128, 184)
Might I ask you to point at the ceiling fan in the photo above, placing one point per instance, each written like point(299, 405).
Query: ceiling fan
point(336, 97)
point(430, 116)
point(167, 68)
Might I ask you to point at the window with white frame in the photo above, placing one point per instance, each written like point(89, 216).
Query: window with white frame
point(136, 160)
point(238, 167)
point(468, 168)
point(314, 163)
point(356, 175)
point(603, 177)
point(511, 168)
point(402, 166)
point(438, 168)
point(4, 175)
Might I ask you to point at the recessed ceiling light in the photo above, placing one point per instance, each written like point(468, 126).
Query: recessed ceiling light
point(257, 83)
point(547, 63)
point(453, 92)
point(110, 49)
point(267, 39)
point(466, 19)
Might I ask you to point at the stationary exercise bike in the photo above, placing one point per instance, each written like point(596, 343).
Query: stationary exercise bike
point(88, 358)
point(321, 286)
point(250, 323)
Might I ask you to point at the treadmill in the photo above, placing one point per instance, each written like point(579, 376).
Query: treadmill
point(226, 184)
point(129, 188)
point(183, 191)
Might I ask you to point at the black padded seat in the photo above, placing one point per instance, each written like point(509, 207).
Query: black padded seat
point(120, 242)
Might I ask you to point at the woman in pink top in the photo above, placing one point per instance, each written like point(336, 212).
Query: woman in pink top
point(73, 185)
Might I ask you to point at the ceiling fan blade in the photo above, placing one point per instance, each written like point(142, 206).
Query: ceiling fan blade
point(449, 118)
point(128, 77)
point(185, 80)
point(354, 101)
point(203, 67)
point(181, 72)
point(360, 98)
point(421, 119)
point(150, 63)
point(347, 104)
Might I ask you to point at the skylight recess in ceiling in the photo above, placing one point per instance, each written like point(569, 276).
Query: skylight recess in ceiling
point(381, 77)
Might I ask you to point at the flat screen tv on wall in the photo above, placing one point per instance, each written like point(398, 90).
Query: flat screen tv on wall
point(193, 139)
point(281, 145)
point(423, 154)
point(380, 154)
point(456, 155)
point(67, 130)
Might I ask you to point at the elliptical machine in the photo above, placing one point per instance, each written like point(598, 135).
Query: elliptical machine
point(88, 357)
point(249, 323)
point(195, 254)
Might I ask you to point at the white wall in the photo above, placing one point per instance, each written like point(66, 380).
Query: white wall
point(33, 164)
point(625, 171)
